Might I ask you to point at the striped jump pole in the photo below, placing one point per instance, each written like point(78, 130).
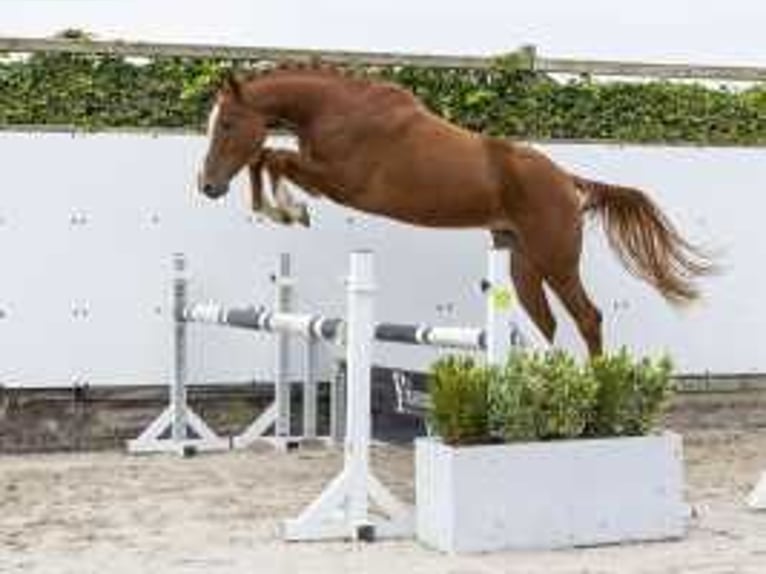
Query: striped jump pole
point(284, 324)
point(506, 322)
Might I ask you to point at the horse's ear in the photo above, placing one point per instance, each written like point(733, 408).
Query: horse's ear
point(231, 83)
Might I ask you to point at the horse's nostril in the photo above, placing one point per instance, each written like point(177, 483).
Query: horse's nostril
point(208, 189)
point(213, 191)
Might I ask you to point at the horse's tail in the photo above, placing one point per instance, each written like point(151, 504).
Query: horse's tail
point(645, 240)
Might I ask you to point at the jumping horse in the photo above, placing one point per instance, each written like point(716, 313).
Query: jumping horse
point(373, 146)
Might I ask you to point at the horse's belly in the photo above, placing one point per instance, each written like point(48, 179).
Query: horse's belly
point(436, 207)
point(444, 190)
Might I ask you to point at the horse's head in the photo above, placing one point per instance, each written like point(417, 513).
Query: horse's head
point(236, 131)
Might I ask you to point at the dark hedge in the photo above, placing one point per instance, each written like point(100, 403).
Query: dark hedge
point(92, 92)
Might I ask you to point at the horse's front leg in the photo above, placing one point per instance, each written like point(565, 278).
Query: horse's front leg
point(259, 202)
point(278, 164)
point(311, 176)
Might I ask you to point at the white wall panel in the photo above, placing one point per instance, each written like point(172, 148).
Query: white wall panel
point(88, 225)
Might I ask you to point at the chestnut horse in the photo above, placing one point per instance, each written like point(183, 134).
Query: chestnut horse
point(373, 146)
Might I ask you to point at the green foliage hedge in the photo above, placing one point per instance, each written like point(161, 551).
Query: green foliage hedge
point(541, 397)
point(93, 91)
point(460, 400)
point(547, 396)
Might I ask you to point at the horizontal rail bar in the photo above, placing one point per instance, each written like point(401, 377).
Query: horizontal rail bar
point(527, 57)
point(260, 319)
point(454, 337)
point(331, 329)
point(200, 51)
point(650, 70)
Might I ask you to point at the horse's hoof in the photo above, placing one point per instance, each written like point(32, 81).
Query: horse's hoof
point(305, 217)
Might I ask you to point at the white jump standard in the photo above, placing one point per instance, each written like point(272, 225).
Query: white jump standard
point(313, 328)
point(343, 509)
point(355, 505)
point(170, 432)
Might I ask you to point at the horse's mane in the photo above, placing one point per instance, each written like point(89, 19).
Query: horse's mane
point(313, 66)
point(359, 77)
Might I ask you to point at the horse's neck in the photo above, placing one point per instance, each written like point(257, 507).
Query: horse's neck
point(292, 99)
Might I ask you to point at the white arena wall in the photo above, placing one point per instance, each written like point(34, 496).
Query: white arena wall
point(88, 225)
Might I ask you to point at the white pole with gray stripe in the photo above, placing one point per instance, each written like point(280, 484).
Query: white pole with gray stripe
point(282, 384)
point(178, 429)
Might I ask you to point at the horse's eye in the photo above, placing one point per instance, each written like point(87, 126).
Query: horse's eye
point(226, 126)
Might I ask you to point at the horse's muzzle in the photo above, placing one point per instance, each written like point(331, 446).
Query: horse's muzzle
point(211, 190)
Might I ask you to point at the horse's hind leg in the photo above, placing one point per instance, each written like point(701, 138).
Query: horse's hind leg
point(528, 282)
point(557, 255)
point(571, 291)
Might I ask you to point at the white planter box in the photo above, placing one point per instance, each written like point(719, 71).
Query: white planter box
point(549, 494)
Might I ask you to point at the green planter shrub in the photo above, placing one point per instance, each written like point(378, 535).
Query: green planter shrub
point(546, 396)
point(459, 411)
point(631, 394)
point(541, 396)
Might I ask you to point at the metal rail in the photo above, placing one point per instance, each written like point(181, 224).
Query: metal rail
point(526, 56)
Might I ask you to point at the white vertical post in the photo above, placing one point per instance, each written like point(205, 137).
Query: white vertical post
point(178, 379)
point(177, 417)
point(500, 302)
point(277, 415)
point(505, 313)
point(310, 388)
point(283, 304)
point(344, 509)
point(338, 402)
point(361, 325)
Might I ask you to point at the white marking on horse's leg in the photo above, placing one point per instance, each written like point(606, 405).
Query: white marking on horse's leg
point(275, 214)
point(269, 208)
point(282, 194)
point(295, 211)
